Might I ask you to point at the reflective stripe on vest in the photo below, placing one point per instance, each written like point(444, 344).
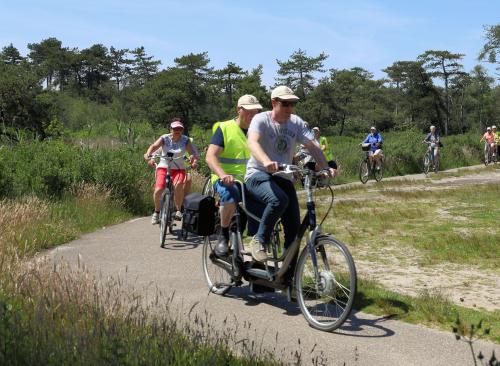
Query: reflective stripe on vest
point(232, 161)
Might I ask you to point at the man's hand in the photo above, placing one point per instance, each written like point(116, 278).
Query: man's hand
point(271, 166)
point(227, 180)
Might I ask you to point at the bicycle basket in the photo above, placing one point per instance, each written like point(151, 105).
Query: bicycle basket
point(365, 147)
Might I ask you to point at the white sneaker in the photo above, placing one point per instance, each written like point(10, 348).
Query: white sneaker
point(155, 219)
point(258, 251)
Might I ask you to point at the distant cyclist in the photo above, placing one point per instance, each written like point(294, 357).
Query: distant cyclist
point(374, 138)
point(177, 143)
point(434, 140)
point(323, 144)
point(489, 138)
point(496, 134)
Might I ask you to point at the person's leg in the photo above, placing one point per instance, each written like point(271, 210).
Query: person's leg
point(178, 180)
point(228, 195)
point(158, 191)
point(187, 184)
point(263, 189)
point(291, 215)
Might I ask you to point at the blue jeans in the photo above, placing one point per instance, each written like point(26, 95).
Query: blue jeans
point(279, 199)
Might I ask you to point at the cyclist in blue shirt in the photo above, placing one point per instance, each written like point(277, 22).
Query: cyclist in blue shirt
point(375, 140)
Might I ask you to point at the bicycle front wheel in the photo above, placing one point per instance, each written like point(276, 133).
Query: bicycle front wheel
point(427, 163)
point(364, 171)
point(326, 300)
point(217, 272)
point(164, 216)
point(436, 164)
point(378, 171)
point(208, 188)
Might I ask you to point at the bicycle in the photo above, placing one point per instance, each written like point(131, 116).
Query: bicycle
point(208, 188)
point(368, 167)
point(322, 275)
point(489, 155)
point(167, 205)
point(430, 160)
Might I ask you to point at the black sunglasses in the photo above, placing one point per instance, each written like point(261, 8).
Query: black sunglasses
point(287, 104)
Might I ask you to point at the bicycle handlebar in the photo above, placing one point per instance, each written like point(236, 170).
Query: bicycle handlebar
point(290, 169)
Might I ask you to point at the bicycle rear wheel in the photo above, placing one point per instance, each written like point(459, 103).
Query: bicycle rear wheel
point(326, 303)
point(164, 216)
point(217, 272)
point(364, 171)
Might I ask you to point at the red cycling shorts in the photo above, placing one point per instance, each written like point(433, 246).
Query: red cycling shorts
point(177, 176)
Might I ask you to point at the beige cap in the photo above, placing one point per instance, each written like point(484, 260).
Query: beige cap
point(248, 101)
point(283, 92)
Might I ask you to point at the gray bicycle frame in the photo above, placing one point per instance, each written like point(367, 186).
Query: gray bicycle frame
point(308, 222)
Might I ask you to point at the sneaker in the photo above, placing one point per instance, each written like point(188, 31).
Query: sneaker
point(258, 251)
point(155, 219)
point(221, 247)
point(178, 216)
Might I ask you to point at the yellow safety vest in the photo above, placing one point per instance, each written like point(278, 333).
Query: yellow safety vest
point(233, 159)
point(327, 152)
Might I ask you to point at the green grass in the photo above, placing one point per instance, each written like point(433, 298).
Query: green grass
point(429, 308)
point(458, 225)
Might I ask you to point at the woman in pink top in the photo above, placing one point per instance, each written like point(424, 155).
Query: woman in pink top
point(489, 138)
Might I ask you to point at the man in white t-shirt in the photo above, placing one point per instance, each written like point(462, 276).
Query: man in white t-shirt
point(272, 138)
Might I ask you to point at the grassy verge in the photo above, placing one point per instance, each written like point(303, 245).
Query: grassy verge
point(455, 225)
point(404, 222)
point(429, 308)
point(62, 316)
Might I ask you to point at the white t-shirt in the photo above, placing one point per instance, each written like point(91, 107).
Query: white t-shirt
point(178, 148)
point(278, 140)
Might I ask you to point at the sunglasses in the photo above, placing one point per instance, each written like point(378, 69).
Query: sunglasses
point(177, 129)
point(287, 104)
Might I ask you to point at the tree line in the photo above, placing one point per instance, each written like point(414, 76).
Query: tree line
point(39, 91)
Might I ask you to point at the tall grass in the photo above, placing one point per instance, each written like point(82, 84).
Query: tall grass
point(63, 316)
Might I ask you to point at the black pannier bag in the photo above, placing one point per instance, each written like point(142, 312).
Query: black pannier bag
point(199, 214)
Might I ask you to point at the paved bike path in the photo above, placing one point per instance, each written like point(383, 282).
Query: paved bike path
point(131, 251)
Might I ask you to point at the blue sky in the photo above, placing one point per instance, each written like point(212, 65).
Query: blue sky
point(369, 34)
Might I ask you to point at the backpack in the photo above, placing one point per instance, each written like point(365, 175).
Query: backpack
point(199, 214)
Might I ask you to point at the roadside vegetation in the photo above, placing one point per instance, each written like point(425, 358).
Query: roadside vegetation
point(396, 225)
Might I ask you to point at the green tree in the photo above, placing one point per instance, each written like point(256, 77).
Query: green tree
point(10, 55)
point(229, 77)
point(121, 66)
point(491, 48)
point(443, 64)
point(144, 67)
point(47, 55)
point(298, 71)
point(21, 104)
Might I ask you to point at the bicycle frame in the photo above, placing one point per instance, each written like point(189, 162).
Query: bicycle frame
point(275, 278)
